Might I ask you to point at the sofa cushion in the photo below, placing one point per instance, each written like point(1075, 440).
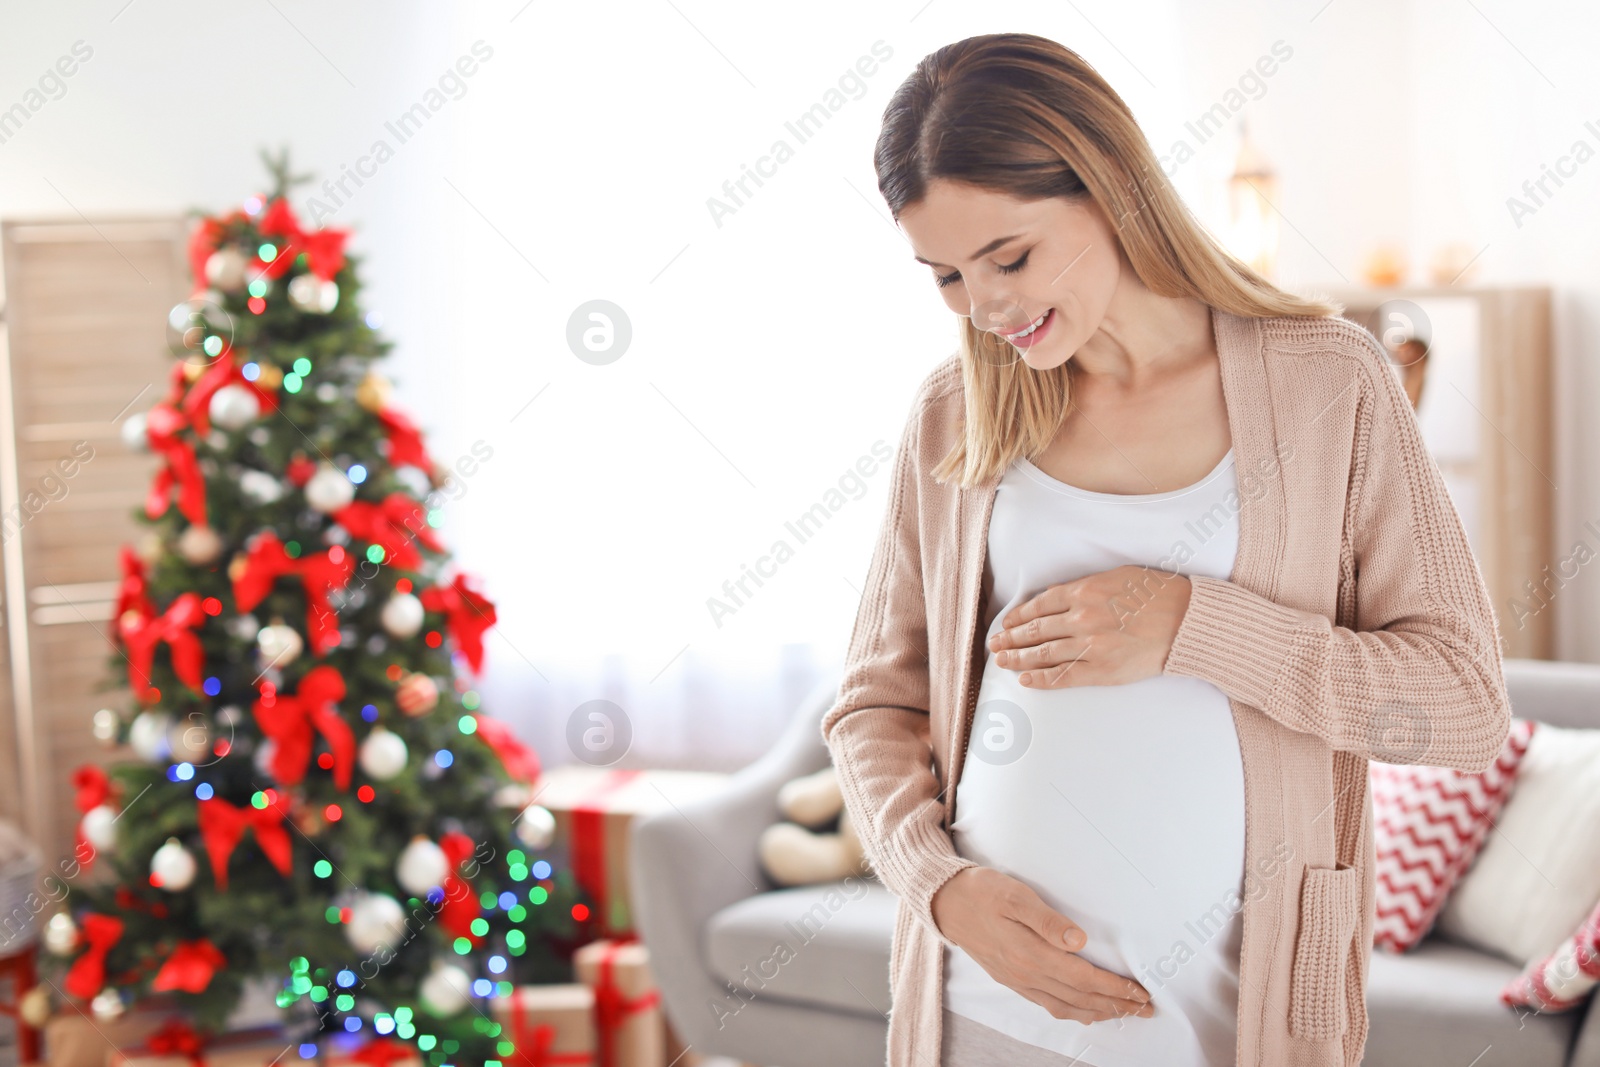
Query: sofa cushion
point(1440, 1003)
point(826, 945)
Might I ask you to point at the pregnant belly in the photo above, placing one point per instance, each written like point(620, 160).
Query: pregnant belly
point(1122, 806)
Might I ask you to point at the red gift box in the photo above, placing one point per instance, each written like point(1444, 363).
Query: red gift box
point(627, 1004)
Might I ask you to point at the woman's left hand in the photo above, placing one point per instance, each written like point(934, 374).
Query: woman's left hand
point(1109, 628)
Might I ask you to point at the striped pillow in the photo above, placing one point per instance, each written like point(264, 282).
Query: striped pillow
point(1562, 980)
point(1428, 825)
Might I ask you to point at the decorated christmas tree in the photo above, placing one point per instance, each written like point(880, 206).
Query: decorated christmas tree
point(318, 801)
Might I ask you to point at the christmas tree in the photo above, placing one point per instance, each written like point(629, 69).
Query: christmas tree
point(318, 801)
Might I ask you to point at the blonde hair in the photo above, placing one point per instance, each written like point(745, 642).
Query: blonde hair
point(1023, 115)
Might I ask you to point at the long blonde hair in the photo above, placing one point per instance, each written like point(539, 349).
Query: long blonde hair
point(1024, 115)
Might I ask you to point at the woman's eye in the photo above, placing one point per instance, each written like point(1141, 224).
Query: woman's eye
point(1012, 268)
point(947, 279)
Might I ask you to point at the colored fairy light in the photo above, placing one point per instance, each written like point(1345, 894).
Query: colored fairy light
point(366, 794)
point(212, 686)
point(185, 771)
point(541, 869)
point(433, 639)
point(318, 993)
point(252, 206)
point(302, 366)
point(375, 553)
point(369, 712)
point(325, 761)
point(299, 965)
point(374, 320)
point(357, 473)
point(436, 517)
point(256, 305)
point(259, 287)
point(469, 700)
point(518, 872)
point(508, 900)
point(353, 1023)
point(203, 791)
point(333, 813)
point(580, 912)
point(292, 549)
point(332, 914)
point(517, 913)
point(346, 978)
point(258, 799)
point(301, 985)
point(467, 724)
point(403, 585)
point(443, 757)
point(384, 1024)
point(292, 383)
point(426, 1042)
point(487, 899)
point(172, 773)
point(497, 964)
point(404, 1031)
point(344, 1002)
point(480, 926)
point(308, 1051)
point(322, 868)
point(503, 988)
point(516, 939)
point(402, 1014)
point(482, 987)
point(462, 946)
point(267, 253)
point(251, 371)
point(538, 895)
point(344, 915)
point(211, 606)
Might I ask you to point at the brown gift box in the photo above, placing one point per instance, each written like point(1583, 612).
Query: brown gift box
point(73, 1038)
point(594, 808)
point(635, 1036)
point(564, 1012)
point(243, 1048)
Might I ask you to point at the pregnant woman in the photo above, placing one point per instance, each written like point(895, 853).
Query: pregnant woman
point(1165, 563)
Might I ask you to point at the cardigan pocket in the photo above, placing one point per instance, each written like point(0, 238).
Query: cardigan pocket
point(1330, 903)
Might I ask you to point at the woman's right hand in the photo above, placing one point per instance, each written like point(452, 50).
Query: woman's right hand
point(1027, 946)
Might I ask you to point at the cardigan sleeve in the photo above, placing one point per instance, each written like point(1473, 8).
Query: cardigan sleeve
point(878, 731)
point(1419, 678)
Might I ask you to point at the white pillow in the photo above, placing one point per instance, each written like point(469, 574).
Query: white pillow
point(1538, 875)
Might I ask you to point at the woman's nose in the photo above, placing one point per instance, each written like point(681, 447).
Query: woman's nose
point(997, 312)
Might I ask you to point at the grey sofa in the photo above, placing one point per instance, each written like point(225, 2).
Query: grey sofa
point(799, 977)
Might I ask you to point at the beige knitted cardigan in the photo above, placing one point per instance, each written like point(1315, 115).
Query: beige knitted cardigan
point(1355, 625)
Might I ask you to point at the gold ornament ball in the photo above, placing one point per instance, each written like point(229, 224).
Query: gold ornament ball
point(418, 694)
point(271, 376)
point(237, 566)
point(107, 1005)
point(374, 392)
point(35, 1007)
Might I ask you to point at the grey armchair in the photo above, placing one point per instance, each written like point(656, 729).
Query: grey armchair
point(799, 977)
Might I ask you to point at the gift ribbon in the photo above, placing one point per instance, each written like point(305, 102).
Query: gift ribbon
point(268, 560)
point(589, 840)
point(88, 973)
point(222, 826)
point(520, 761)
point(460, 906)
point(175, 626)
point(533, 1042)
point(163, 423)
point(176, 1038)
point(611, 1008)
point(92, 788)
point(293, 722)
point(324, 248)
point(223, 371)
point(467, 614)
point(133, 593)
point(394, 525)
point(381, 1052)
point(405, 441)
point(190, 968)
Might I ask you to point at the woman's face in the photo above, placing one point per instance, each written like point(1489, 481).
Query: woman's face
point(1007, 263)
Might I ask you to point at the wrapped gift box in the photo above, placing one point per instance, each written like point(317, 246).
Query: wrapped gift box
point(170, 1047)
point(73, 1038)
point(370, 1052)
point(551, 1025)
point(628, 1027)
point(594, 807)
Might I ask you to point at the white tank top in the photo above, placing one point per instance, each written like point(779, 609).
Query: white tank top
point(1121, 805)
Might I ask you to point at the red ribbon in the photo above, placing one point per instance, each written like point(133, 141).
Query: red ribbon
point(223, 371)
point(324, 248)
point(190, 968)
point(520, 761)
point(467, 613)
point(133, 593)
point(293, 722)
point(392, 525)
point(163, 423)
point(268, 560)
point(176, 1038)
point(175, 626)
point(88, 973)
point(405, 441)
point(381, 1052)
point(533, 1042)
point(222, 826)
point(589, 842)
point(460, 905)
point(93, 788)
point(611, 1008)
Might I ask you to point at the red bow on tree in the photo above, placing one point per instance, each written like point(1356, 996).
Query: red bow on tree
point(467, 613)
point(324, 248)
point(93, 788)
point(460, 903)
point(405, 441)
point(88, 973)
point(392, 526)
point(222, 826)
point(163, 424)
point(293, 721)
point(175, 626)
point(134, 590)
point(190, 968)
point(177, 1038)
point(268, 559)
point(520, 761)
point(223, 371)
point(203, 242)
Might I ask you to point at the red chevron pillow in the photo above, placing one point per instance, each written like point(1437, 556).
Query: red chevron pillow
point(1428, 825)
point(1562, 980)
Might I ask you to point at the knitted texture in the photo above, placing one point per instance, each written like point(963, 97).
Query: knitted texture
point(1354, 626)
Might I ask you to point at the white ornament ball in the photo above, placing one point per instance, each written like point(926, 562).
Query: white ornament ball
point(173, 866)
point(536, 827)
point(147, 734)
point(190, 740)
point(446, 990)
point(262, 760)
point(105, 726)
point(199, 545)
point(310, 293)
point(134, 432)
point(99, 827)
point(422, 866)
point(376, 920)
point(227, 269)
point(260, 487)
point(279, 643)
point(329, 490)
point(235, 406)
point(402, 615)
point(383, 754)
point(35, 1007)
point(61, 934)
point(107, 1005)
